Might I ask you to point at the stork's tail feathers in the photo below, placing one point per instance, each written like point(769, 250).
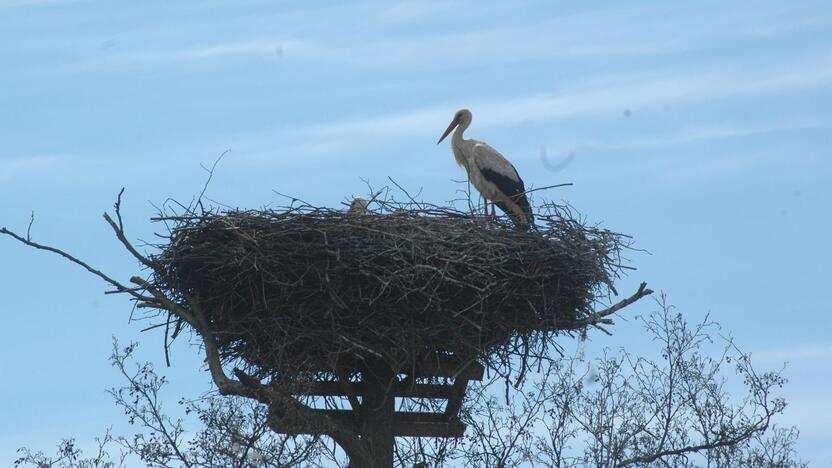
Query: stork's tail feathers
point(523, 220)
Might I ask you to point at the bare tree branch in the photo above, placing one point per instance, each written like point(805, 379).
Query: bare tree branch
point(120, 287)
point(599, 317)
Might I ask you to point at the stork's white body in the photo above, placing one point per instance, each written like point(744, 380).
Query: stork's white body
point(489, 171)
point(476, 157)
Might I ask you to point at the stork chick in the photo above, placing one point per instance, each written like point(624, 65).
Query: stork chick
point(358, 207)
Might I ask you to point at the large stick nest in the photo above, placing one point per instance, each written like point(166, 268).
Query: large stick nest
point(307, 290)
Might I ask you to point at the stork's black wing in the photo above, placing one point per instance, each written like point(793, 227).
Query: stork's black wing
point(499, 171)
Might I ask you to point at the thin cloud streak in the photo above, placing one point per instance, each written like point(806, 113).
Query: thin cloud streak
point(611, 96)
point(794, 354)
point(604, 98)
point(694, 134)
point(507, 44)
point(21, 167)
point(674, 164)
point(602, 34)
point(15, 4)
point(262, 47)
point(597, 34)
point(409, 12)
point(422, 52)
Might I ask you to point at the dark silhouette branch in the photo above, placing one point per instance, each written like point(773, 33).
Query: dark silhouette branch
point(600, 317)
point(119, 286)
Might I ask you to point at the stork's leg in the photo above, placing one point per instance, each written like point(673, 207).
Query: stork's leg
point(485, 205)
point(493, 211)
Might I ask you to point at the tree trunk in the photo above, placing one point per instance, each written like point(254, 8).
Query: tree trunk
point(377, 410)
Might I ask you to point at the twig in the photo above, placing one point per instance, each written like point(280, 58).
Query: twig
point(78, 262)
point(210, 176)
point(117, 207)
point(121, 237)
point(29, 228)
point(568, 184)
point(407, 194)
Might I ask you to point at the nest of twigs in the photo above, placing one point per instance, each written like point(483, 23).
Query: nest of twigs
point(306, 290)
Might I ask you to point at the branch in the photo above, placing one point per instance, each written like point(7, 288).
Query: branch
point(119, 287)
point(121, 237)
point(160, 300)
point(729, 442)
point(600, 317)
point(196, 319)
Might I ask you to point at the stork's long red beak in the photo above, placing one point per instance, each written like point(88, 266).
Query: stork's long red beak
point(448, 130)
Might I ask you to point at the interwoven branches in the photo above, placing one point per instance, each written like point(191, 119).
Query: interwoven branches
point(307, 290)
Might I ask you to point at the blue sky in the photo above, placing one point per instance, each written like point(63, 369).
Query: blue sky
point(702, 129)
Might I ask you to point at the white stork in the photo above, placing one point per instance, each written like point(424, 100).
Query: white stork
point(489, 172)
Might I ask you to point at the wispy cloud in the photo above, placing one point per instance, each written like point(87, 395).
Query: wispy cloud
point(600, 98)
point(259, 47)
point(493, 45)
point(673, 156)
point(249, 37)
point(683, 135)
point(12, 4)
point(416, 52)
point(369, 35)
point(601, 34)
point(20, 167)
point(612, 95)
point(408, 12)
point(14, 168)
point(795, 354)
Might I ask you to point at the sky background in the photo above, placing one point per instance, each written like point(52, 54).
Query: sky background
point(701, 129)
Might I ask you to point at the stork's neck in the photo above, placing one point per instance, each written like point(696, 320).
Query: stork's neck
point(457, 139)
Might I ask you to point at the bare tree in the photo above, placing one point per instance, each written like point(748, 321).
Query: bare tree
point(614, 411)
point(625, 409)
point(234, 431)
point(68, 455)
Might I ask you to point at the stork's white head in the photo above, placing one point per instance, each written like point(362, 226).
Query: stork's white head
point(462, 118)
